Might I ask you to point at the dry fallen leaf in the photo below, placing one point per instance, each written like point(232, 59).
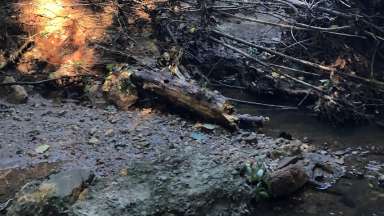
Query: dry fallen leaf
point(41, 149)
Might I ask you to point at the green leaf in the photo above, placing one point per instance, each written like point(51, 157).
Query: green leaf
point(110, 67)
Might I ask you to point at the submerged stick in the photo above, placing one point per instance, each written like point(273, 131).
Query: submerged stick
point(261, 104)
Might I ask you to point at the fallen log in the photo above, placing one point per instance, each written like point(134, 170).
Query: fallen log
point(208, 104)
point(122, 88)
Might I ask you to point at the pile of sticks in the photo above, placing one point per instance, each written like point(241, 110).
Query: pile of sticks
point(330, 49)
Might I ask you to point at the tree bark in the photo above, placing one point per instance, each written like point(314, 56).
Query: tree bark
point(208, 104)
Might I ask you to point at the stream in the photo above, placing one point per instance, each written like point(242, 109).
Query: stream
point(356, 194)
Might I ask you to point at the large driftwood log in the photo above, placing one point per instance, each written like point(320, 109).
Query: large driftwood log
point(122, 88)
point(206, 103)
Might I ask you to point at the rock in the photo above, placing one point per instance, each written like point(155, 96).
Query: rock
point(306, 140)
point(285, 135)
point(16, 94)
point(120, 90)
point(52, 196)
point(323, 170)
point(381, 181)
point(342, 152)
point(206, 127)
point(192, 186)
point(93, 141)
point(62, 113)
point(287, 180)
point(4, 206)
point(291, 147)
point(287, 161)
point(109, 132)
point(95, 94)
point(93, 131)
point(123, 172)
point(252, 138)
point(41, 149)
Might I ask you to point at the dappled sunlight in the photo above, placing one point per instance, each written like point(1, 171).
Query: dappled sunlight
point(62, 31)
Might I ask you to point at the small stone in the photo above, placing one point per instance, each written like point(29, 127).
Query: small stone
point(16, 93)
point(62, 113)
point(340, 161)
point(163, 178)
point(41, 149)
point(17, 118)
point(252, 138)
point(113, 120)
point(75, 127)
point(381, 181)
point(340, 153)
point(109, 132)
point(305, 148)
point(93, 141)
point(323, 152)
point(124, 131)
point(285, 135)
point(123, 172)
point(93, 131)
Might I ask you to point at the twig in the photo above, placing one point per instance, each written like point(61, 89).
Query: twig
point(260, 104)
point(373, 60)
point(295, 26)
point(304, 99)
point(265, 64)
point(238, 51)
point(217, 83)
point(17, 54)
point(308, 63)
point(44, 81)
point(295, 70)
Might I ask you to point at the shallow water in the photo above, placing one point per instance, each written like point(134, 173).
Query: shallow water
point(356, 194)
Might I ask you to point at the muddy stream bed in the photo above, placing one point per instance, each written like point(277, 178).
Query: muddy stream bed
point(72, 130)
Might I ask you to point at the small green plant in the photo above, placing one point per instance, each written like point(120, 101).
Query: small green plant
point(257, 176)
point(110, 67)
